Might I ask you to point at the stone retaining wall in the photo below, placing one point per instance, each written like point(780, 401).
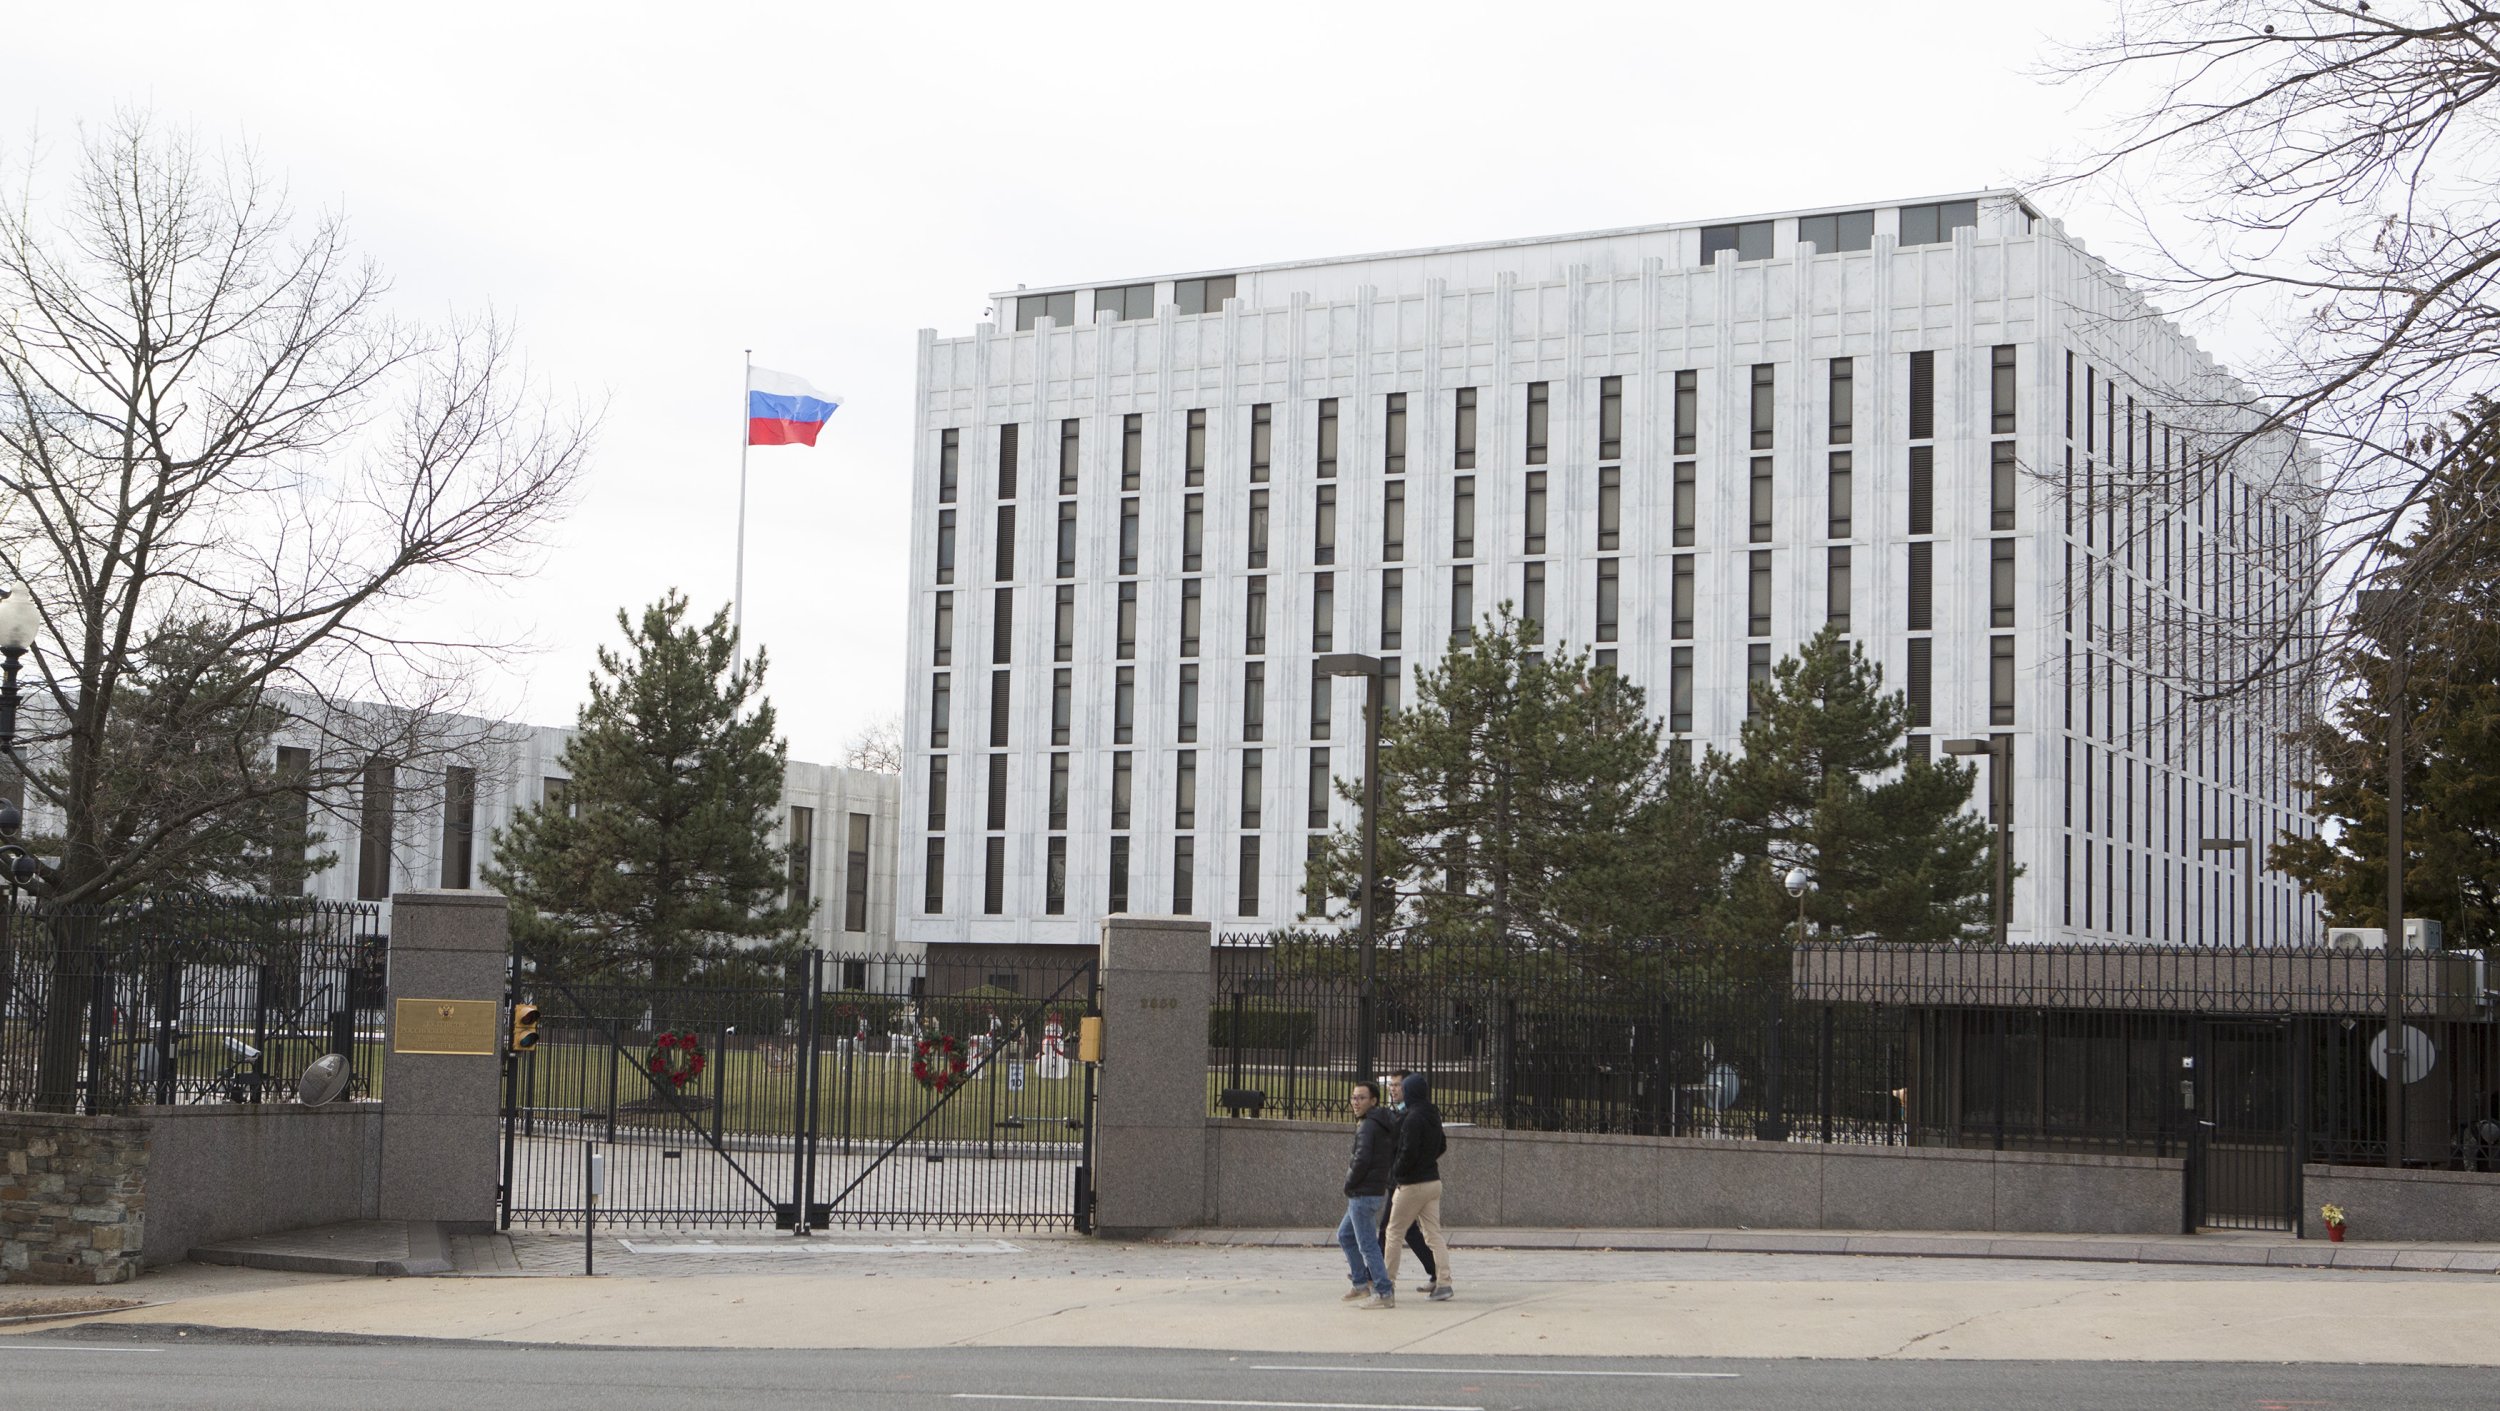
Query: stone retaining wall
point(2380, 1204)
point(73, 1198)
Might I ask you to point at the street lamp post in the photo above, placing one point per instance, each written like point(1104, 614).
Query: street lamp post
point(2387, 608)
point(2000, 752)
point(18, 624)
point(2248, 883)
point(1798, 884)
point(1366, 903)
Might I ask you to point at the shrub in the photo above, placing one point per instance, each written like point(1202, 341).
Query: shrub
point(1262, 1026)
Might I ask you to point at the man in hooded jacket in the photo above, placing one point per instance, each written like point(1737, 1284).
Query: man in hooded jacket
point(1417, 1171)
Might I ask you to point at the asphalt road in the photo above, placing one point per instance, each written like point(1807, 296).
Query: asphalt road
point(153, 1369)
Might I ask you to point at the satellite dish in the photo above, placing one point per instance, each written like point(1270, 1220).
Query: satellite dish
point(1719, 1087)
point(323, 1081)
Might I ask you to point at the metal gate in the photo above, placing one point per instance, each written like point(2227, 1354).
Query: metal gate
point(2244, 1153)
point(847, 1091)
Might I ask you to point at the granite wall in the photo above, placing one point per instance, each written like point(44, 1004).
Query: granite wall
point(73, 1198)
point(2380, 1204)
point(220, 1171)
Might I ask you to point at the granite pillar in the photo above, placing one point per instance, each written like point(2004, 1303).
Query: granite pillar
point(1150, 1108)
point(441, 1127)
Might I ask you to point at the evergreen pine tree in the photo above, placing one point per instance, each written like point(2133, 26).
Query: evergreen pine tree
point(660, 859)
point(1824, 780)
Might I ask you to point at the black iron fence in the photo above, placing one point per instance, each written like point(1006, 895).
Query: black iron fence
point(185, 1000)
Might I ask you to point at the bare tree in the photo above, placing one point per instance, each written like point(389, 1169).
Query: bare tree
point(877, 746)
point(230, 474)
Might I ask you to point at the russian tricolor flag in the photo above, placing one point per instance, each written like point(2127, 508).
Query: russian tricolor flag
point(783, 410)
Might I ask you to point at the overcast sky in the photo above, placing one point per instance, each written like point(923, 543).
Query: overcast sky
point(650, 190)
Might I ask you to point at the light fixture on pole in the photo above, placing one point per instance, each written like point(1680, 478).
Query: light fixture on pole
point(1798, 884)
point(2385, 611)
point(2248, 883)
point(2000, 752)
point(19, 623)
point(1366, 903)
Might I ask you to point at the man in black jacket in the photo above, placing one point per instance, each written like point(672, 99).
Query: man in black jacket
point(1414, 1233)
point(1366, 1190)
point(1417, 1171)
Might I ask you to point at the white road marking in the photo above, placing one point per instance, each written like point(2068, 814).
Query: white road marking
point(14, 1345)
point(1404, 1370)
point(820, 1247)
point(1177, 1401)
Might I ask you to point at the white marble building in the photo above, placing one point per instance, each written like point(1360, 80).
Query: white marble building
point(1141, 507)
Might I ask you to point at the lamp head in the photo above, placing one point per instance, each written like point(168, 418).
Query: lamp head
point(1797, 881)
point(19, 622)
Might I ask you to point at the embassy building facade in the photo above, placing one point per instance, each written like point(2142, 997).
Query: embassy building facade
point(1141, 510)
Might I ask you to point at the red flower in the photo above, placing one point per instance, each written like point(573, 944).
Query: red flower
point(920, 1071)
point(668, 1041)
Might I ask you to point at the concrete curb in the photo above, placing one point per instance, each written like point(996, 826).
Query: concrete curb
point(2119, 1249)
point(428, 1253)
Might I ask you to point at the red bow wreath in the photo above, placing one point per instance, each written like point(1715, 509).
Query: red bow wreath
point(937, 1063)
point(676, 1058)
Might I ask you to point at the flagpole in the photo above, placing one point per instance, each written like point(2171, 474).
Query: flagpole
point(738, 593)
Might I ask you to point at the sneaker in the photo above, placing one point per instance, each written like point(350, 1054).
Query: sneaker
point(1443, 1293)
point(1357, 1294)
point(1424, 1288)
point(1380, 1300)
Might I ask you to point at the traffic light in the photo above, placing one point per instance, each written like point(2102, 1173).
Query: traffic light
point(524, 1026)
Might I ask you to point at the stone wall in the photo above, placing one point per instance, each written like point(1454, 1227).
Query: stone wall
point(2380, 1204)
point(73, 1198)
point(1267, 1173)
point(220, 1171)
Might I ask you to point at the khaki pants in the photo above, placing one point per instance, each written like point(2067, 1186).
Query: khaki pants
point(1417, 1205)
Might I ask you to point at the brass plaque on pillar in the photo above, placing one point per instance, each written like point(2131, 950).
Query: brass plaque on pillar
point(445, 1026)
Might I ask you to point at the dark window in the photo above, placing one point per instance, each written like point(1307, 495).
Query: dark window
point(1463, 518)
point(1117, 901)
point(1128, 534)
point(1001, 701)
point(2001, 485)
point(1123, 776)
point(1392, 609)
point(1934, 225)
point(1765, 390)
point(1324, 612)
point(1844, 409)
point(1254, 618)
point(1132, 450)
point(1067, 539)
point(1393, 435)
point(1203, 296)
point(1534, 514)
point(459, 824)
point(1254, 700)
point(1315, 812)
point(1750, 240)
point(1921, 606)
point(1757, 675)
point(2001, 389)
point(937, 792)
point(1538, 409)
point(1187, 721)
point(2000, 680)
point(1922, 396)
point(1194, 450)
point(2000, 582)
point(1003, 570)
point(950, 453)
point(1124, 705)
point(1253, 774)
point(1062, 702)
point(801, 854)
point(1324, 526)
point(855, 876)
point(1758, 593)
point(380, 811)
point(1680, 597)
point(1393, 521)
point(1609, 418)
point(1841, 230)
point(946, 546)
point(933, 878)
point(1685, 495)
point(1761, 484)
point(997, 800)
point(1839, 494)
point(1836, 587)
point(1687, 411)
point(940, 698)
point(1610, 507)
point(1126, 640)
point(1327, 446)
point(1069, 456)
point(1462, 604)
point(1922, 490)
point(942, 631)
point(1002, 624)
point(1921, 675)
point(1055, 878)
point(1463, 437)
point(1262, 440)
point(1184, 876)
point(1059, 308)
point(1008, 437)
point(1532, 601)
point(1190, 599)
point(1063, 624)
point(1126, 301)
point(1258, 529)
point(1193, 533)
point(1247, 903)
point(1609, 593)
point(291, 826)
point(994, 877)
point(1185, 790)
point(1680, 691)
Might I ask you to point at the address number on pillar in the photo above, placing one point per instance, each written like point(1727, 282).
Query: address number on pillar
point(1159, 1002)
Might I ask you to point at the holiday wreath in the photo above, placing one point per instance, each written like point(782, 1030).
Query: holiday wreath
point(937, 1063)
point(676, 1058)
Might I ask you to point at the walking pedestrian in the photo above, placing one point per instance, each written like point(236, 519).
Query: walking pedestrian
point(1366, 1191)
point(1417, 1172)
point(1414, 1233)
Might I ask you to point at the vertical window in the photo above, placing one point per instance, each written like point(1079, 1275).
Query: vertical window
point(1132, 450)
point(1315, 812)
point(1609, 594)
point(1764, 410)
point(942, 631)
point(1327, 449)
point(1254, 700)
point(1392, 608)
point(1253, 782)
point(1685, 494)
point(1463, 518)
point(1193, 533)
point(1324, 526)
point(1067, 539)
point(1055, 879)
point(1761, 500)
point(1004, 569)
point(1008, 438)
point(1922, 489)
point(2000, 680)
point(1324, 612)
point(2001, 485)
point(1680, 597)
point(1117, 900)
point(1247, 903)
point(1836, 587)
point(1123, 777)
point(855, 876)
point(1844, 410)
point(459, 825)
point(1610, 507)
point(1068, 456)
point(946, 546)
point(1758, 593)
point(1463, 435)
point(293, 824)
point(1838, 495)
point(1534, 516)
point(1184, 876)
point(940, 699)
point(1323, 705)
point(1062, 704)
point(1063, 623)
point(1532, 601)
point(1921, 606)
point(1127, 634)
point(1921, 676)
point(1680, 691)
point(1124, 705)
point(1186, 721)
point(1190, 615)
point(1002, 624)
point(950, 453)
point(1262, 441)
point(1254, 618)
point(801, 854)
point(1610, 418)
point(1392, 687)
point(1194, 456)
point(1757, 675)
point(1393, 436)
point(2001, 389)
point(1922, 396)
point(993, 876)
point(1687, 411)
point(1258, 529)
point(1001, 701)
point(937, 792)
point(1537, 418)
point(1462, 604)
point(379, 812)
point(1185, 790)
point(933, 879)
point(1393, 521)
point(2000, 582)
point(1128, 534)
point(997, 811)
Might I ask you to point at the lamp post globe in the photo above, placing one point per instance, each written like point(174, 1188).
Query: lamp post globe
point(19, 622)
point(1797, 881)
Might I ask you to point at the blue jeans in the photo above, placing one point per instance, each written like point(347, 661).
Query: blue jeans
point(1358, 1234)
